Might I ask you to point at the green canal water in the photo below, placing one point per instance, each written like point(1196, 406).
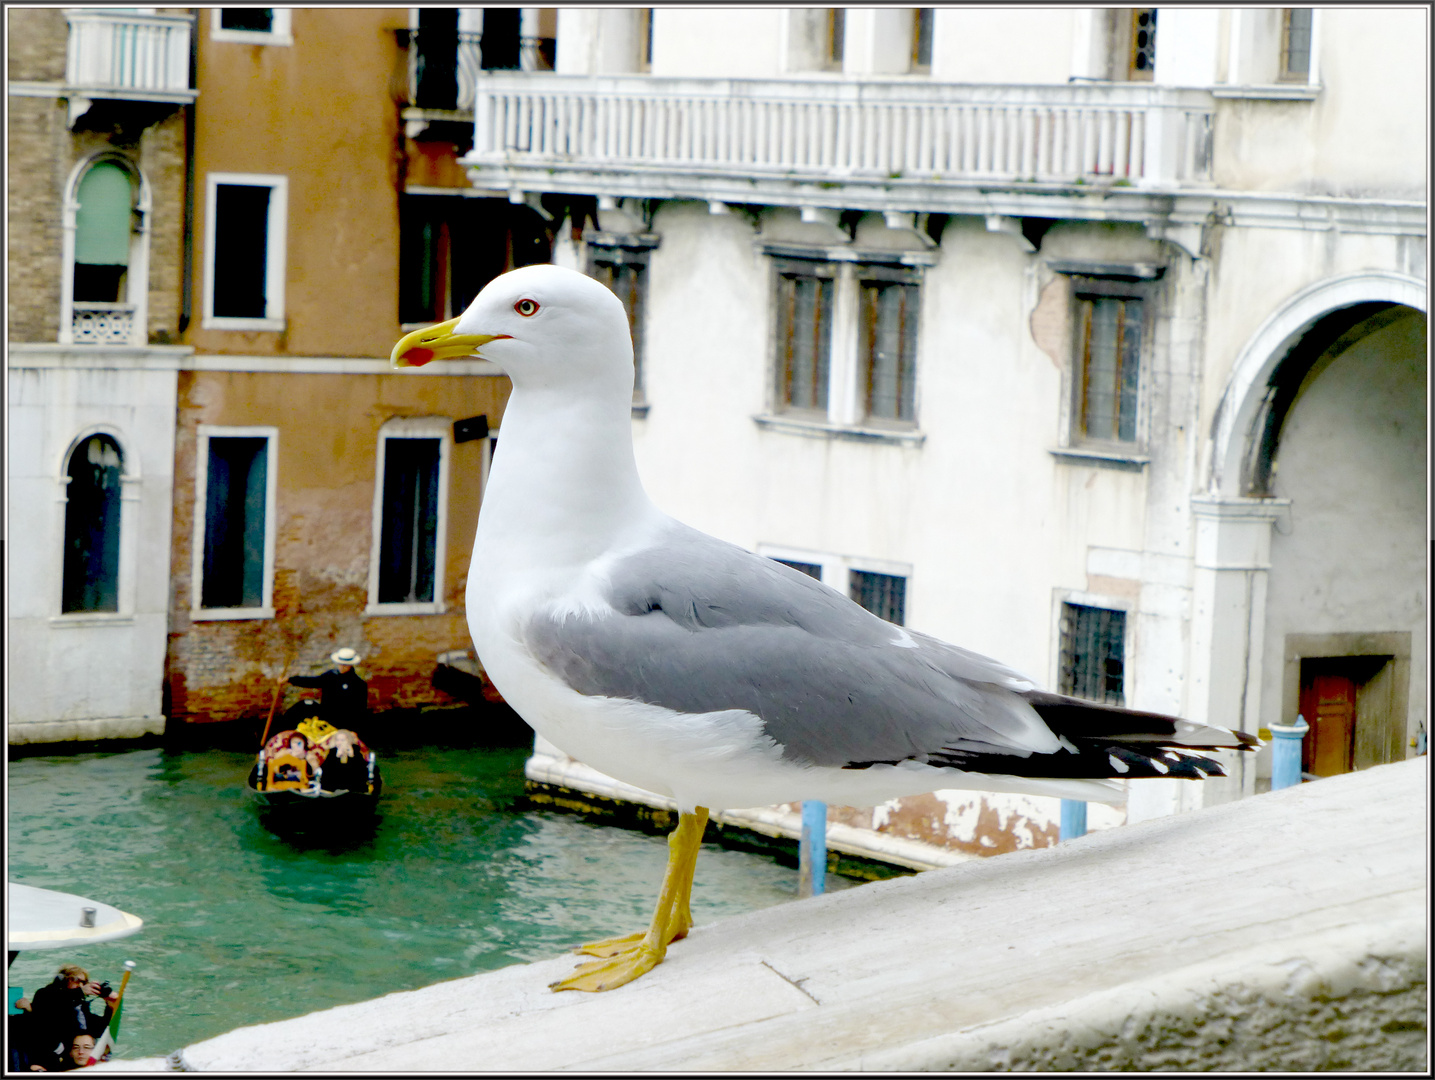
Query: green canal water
point(244, 926)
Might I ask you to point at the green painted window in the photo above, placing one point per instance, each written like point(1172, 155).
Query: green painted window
point(102, 233)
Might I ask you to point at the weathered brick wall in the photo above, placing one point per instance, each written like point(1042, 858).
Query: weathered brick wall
point(35, 47)
point(39, 159)
point(161, 157)
point(328, 431)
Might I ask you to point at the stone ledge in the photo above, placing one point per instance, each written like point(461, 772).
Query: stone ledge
point(1281, 932)
point(59, 731)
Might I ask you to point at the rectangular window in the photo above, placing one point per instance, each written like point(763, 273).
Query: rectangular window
point(624, 269)
point(889, 349)
point(1109, 334)
point(1295, 44)
point(244, 252)
point(884, 595)
point(804, 337)
point(408, 543)
point(234, 563)
point(1093, 651)
point(922, 39)
point(410, 518)
point(254, 26)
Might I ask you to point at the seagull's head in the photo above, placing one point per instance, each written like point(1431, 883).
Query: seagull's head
point(542, 324)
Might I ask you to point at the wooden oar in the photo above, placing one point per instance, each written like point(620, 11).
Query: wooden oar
point(278, 693)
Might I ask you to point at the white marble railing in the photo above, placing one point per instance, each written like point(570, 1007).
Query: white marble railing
point(838, 130)
point(114, 50)
point(103, 324)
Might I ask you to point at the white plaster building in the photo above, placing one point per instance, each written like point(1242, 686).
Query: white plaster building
point(95, 182)
point(1047, 313)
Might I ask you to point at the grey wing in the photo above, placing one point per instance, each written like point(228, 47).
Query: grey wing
point(699, 626)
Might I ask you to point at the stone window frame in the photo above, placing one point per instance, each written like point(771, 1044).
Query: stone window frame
point(423, 427)
point(281, 31)
point(846, 412)
point(275, 270)
point(130, 480)
point(204, 433)
point(137, 277)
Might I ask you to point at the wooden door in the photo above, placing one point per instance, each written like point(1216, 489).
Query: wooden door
point(1328, 704)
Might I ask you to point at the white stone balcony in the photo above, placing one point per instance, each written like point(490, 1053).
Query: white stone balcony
point(95, 323)
point(125, 56)
point(890, 144)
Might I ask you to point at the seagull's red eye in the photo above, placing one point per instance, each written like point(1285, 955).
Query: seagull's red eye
point(526, 307)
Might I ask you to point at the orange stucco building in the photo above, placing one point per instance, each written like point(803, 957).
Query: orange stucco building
point(322, 499)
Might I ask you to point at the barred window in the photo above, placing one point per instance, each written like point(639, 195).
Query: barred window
point(1142, 64)
point(1093, 650)
point(884, 595)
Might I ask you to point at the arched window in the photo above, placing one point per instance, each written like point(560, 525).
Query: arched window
point(104, 297)
point(92, 527)
point(102, 234)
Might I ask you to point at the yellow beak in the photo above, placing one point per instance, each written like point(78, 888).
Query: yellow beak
point(437, 343)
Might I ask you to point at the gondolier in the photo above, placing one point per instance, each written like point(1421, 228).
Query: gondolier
point(344, 697)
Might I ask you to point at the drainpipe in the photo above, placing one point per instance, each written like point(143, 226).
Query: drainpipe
point(1073, 819)
point(1285, 753)
point(186, 294)
point(812, 849)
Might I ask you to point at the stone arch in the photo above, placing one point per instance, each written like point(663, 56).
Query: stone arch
point(1249, 413)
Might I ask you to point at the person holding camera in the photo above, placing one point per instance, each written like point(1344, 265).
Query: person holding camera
point(60, 1011)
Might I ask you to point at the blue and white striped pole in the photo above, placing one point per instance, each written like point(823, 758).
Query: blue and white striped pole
point(1073, 819)
point(812, 849)
point(1285, 753)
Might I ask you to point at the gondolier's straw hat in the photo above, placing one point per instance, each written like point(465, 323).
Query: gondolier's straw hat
point(346, 656)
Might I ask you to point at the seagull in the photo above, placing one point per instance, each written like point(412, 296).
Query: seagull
point(688, 666)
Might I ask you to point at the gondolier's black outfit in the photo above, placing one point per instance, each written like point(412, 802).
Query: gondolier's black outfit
point(344, 697)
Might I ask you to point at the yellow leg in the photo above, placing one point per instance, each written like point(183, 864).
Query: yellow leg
point(625, 958)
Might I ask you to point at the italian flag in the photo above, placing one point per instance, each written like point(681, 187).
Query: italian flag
point(109, 1040)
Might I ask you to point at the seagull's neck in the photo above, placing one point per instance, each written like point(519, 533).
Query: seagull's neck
point(564, 488)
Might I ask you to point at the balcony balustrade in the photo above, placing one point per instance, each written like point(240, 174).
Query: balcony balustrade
point(95, 323)
point(687, 137)
point(118, 51)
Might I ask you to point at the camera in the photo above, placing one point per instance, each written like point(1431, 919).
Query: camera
point(106, 989)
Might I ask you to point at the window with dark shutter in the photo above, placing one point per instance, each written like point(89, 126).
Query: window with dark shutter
point(812, 570)
point(624, 269)
point(409, 539)
point(234, 522)
point(92, 527)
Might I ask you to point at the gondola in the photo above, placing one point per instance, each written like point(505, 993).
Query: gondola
point(313, 764)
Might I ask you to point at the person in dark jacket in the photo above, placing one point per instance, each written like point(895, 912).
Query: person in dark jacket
point(344, 697)
point(60, 1010)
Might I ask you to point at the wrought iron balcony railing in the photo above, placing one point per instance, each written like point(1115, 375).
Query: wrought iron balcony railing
point(834, 132)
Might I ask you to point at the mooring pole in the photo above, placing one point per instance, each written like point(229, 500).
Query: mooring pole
point(1285, 753)
point(1073, 819)
point(812, 849)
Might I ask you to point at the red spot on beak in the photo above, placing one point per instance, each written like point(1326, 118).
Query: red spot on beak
point(418, 356)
